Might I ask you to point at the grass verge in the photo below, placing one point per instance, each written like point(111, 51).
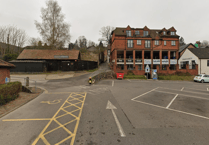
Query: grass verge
point(176, 77)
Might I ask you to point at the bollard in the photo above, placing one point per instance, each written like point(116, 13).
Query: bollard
point(27, 81)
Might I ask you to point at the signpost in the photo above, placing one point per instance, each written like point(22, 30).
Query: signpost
point(147, 70)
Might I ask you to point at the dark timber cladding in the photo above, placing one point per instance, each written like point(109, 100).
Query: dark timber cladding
point(32, 60)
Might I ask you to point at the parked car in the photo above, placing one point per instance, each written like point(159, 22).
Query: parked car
point(201, 78)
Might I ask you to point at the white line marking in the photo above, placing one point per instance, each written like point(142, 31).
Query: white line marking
point(207, 89)
point(195, 89)
point(171, 101)
point(112, 83)
point(128, 80)
point(182, 89)
point(173, 110)
point(182, 95)
point(185, 91)
point(112, 107)
point(145, 93)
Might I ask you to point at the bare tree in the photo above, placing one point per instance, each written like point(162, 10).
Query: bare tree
point(82, 42)
point(33, 41)
point(91, 43)
point(54, 31)
point(181, 41)
point(204, 43)
point(13, 37)
point(106, 34)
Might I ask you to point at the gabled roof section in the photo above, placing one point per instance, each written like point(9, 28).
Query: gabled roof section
point(48, 54)
point(119, 31)
point(183, 47)
point(146, 28)
point(5, 64)
point(172, 29)
point(202, 53)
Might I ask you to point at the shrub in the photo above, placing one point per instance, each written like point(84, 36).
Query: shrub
point(9, 91)
point(9, 57)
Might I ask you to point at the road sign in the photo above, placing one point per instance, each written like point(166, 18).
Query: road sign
point(147, 69)
point(6, 80)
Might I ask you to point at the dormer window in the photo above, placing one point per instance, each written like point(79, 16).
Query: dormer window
point(128, 33)
point(172, 33)
point(164, 32)
point(137, 32)
point(145, 33)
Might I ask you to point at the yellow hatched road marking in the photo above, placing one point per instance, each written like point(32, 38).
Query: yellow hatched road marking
point(77, 123)
point(77, 119)
point(59, 127)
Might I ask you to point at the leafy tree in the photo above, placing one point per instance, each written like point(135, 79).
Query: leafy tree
point(54, 31)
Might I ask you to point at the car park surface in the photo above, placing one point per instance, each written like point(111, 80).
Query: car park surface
point(149, 112)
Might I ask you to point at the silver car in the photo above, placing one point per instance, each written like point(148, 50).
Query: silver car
point(201, 78)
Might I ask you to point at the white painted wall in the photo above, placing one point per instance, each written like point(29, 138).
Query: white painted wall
point(204, 67)
point(189, 56)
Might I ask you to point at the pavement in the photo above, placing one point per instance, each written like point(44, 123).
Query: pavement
point(111, 112)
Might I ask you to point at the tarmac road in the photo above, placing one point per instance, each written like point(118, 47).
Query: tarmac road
point(147, 112)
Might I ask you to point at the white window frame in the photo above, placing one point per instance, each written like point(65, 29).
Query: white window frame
point(172, 33)
point(164, 42)
point(139, 42)
point(130, 43)
point(173, 43)
point(128, 33)
point(164, 32)
point(137, 32)
point(147, 44)
point(156, 42)
point(146, 33)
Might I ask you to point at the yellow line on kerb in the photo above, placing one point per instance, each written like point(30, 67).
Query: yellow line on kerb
point(41, 134)
point(26, 119)
point(77, 123)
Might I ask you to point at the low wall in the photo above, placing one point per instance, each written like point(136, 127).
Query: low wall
point(167, 71)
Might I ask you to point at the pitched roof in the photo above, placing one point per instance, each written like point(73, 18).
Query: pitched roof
point(153, 32)
point(181, 48)
point(5, 64)
point(202, 53)
point(48, 54)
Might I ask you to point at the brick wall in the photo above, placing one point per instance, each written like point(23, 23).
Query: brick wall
point(4, 72)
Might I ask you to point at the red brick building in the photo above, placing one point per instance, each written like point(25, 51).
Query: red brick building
point(134, 48)
point(5, 70)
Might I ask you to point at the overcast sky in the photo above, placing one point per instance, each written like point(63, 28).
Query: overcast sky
point(189, 17)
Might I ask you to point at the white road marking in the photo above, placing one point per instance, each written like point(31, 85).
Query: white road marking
point(195, 89)
point(207, 89)
point(112, 107)
point(128, 80)
point(182, 95)
point(172, 110)
point(112, 83)
point(186, 91)
point(171, 101)
point(182, 89)
point(145, 93)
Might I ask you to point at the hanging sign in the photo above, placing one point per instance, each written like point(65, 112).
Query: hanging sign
point(147, 61)
point(156, 61)
point(165, 61)
point(173, 61)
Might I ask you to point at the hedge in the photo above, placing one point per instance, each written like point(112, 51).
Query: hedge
point(9, 92)
point(134, 77)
